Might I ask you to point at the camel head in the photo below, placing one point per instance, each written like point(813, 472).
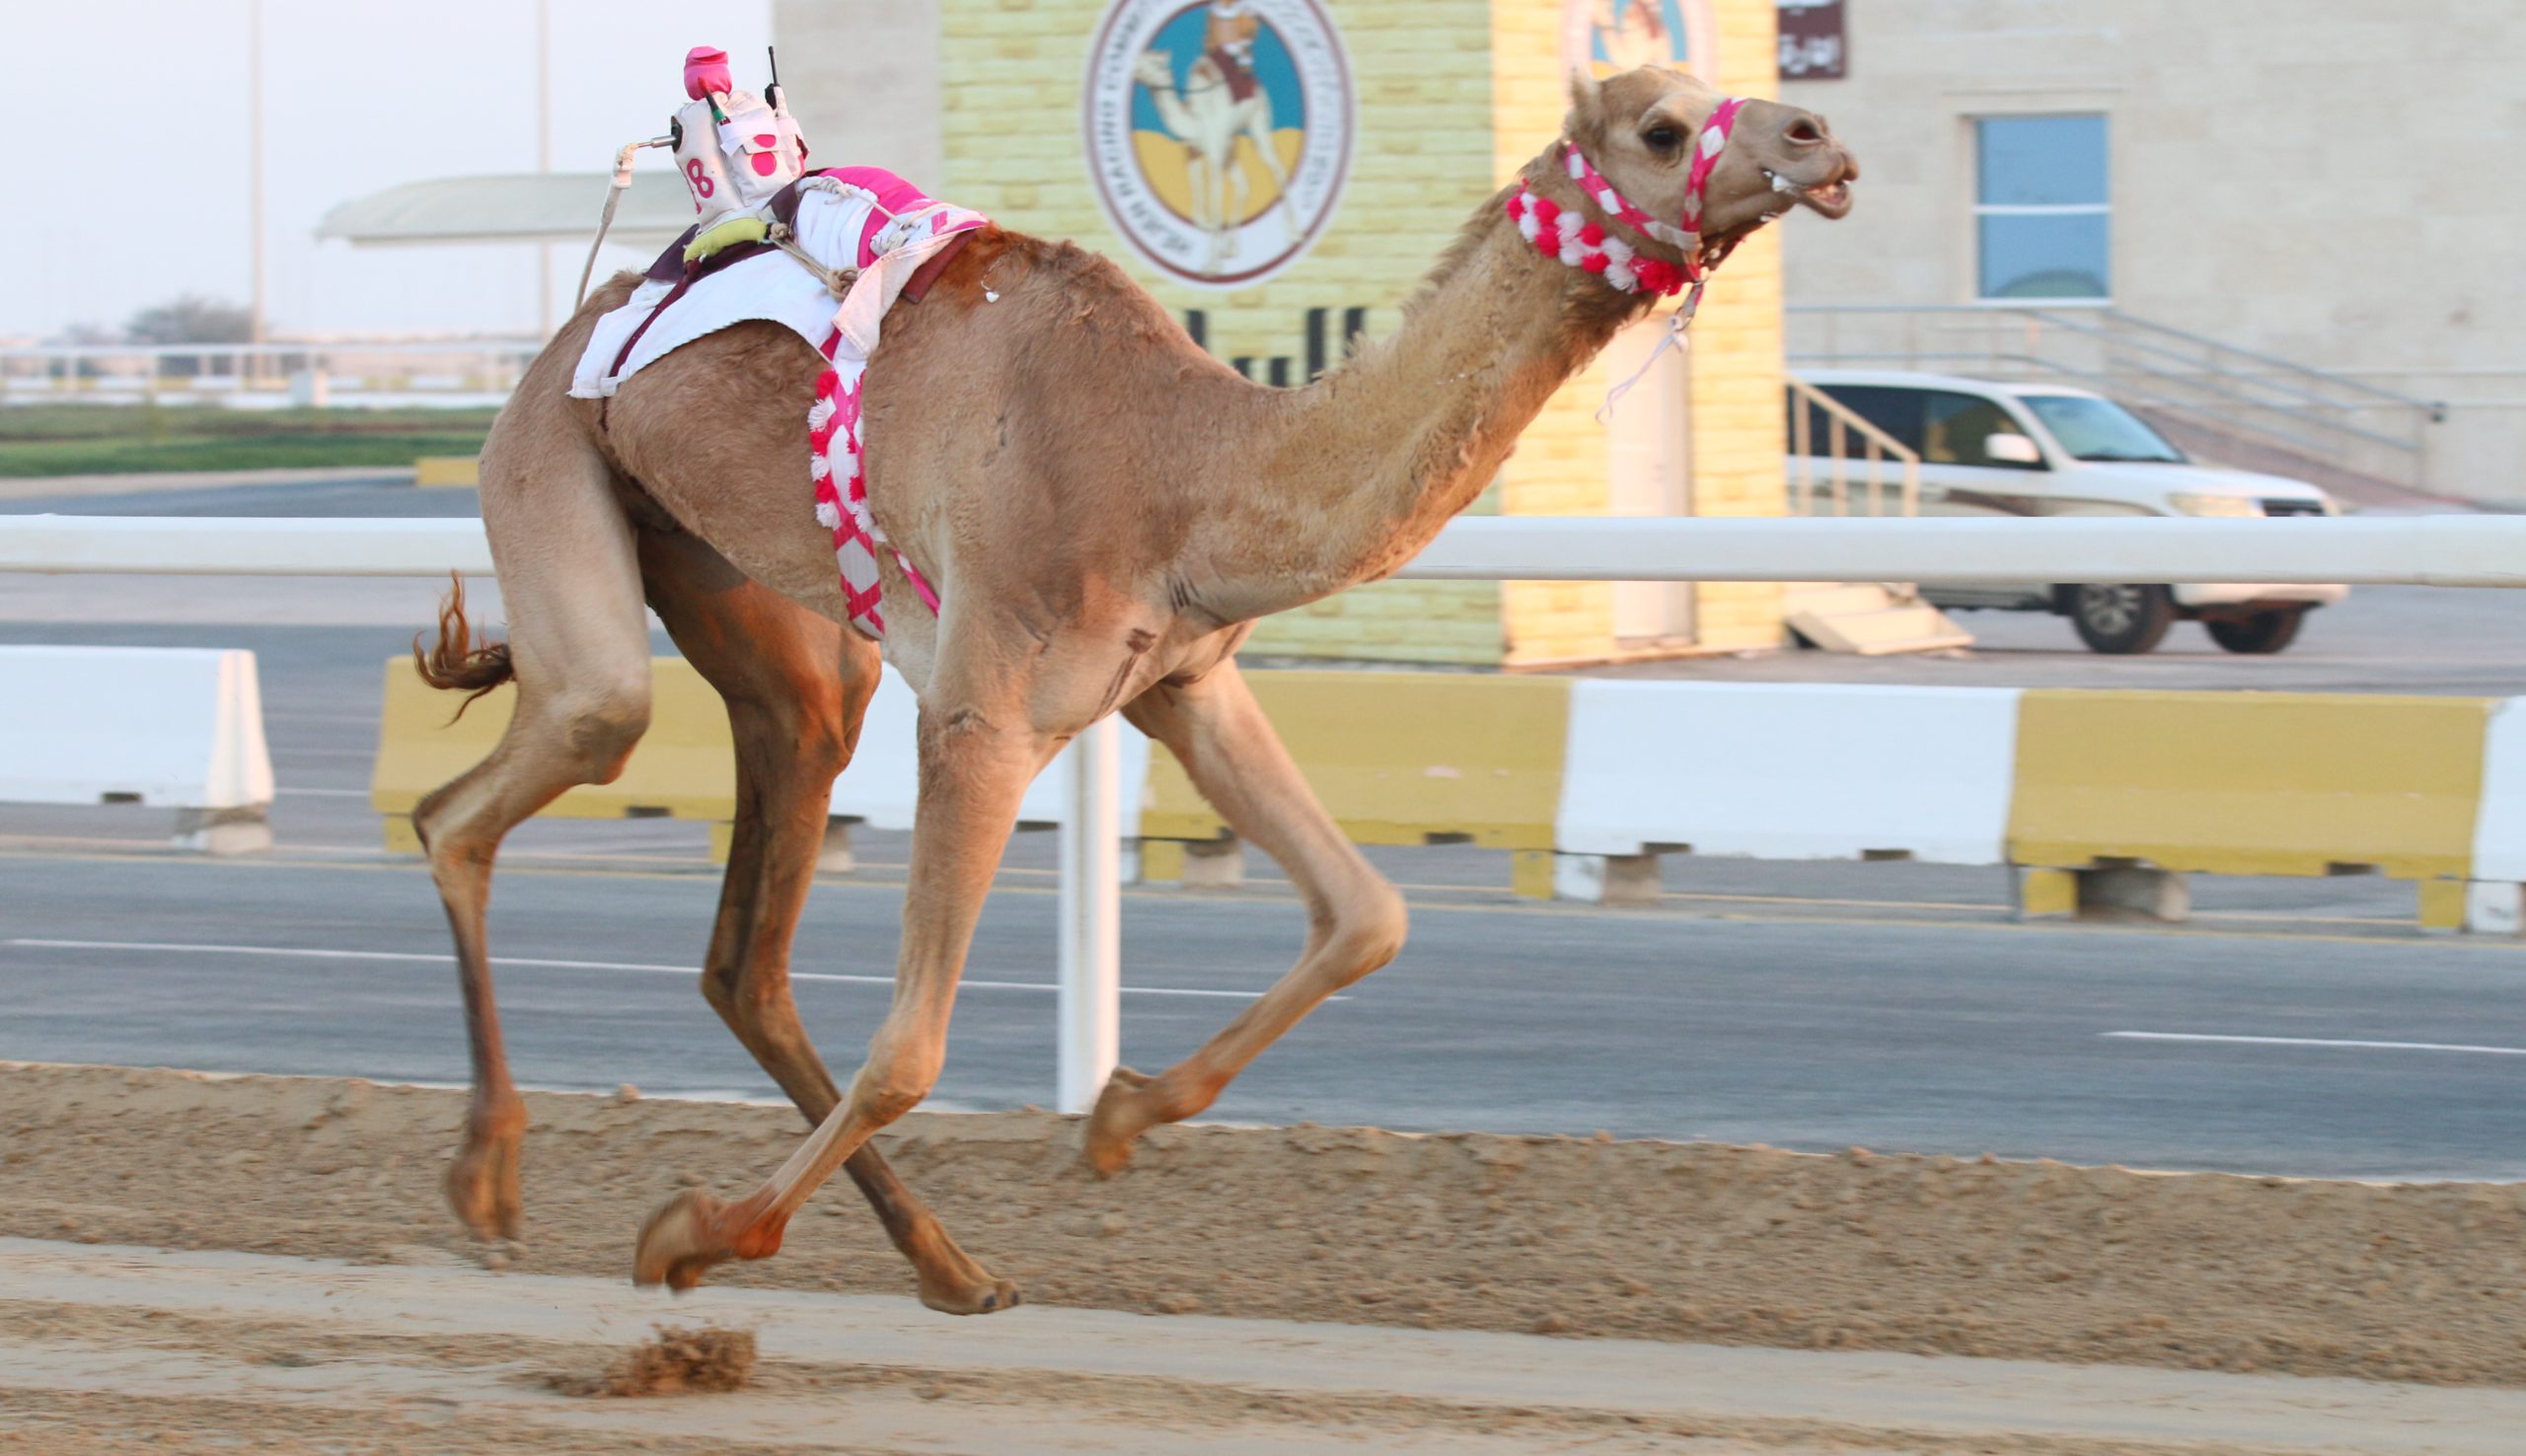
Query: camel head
point(1640, 130)
point(1155, 70)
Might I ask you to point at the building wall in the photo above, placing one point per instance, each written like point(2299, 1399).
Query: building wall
point(2314, 178)
point(863, 80)
point(1734, 372)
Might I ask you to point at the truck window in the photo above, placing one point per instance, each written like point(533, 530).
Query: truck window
point(1897, 412)
point(1955, 425)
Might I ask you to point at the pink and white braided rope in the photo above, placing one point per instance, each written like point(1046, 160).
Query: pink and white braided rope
point(1588, 246)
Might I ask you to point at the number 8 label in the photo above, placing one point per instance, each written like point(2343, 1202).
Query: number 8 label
point(700, 177)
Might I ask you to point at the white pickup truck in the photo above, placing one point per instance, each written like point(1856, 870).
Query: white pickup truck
point(1995, 449)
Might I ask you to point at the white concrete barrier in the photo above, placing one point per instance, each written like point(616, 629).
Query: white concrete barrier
point(2495, 905)
point(181, 728)
point(1789, 770)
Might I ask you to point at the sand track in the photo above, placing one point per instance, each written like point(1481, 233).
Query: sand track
point(1657, 1252)
point(310, 1354)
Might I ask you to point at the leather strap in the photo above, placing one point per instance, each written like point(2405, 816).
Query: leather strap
point(937, 263)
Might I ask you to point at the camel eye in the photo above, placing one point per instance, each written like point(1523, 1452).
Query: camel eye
point(1662, 138)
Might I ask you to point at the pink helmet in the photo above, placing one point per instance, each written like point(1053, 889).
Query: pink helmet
point(706, 71)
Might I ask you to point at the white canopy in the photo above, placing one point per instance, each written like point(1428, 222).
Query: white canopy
point(526, 207)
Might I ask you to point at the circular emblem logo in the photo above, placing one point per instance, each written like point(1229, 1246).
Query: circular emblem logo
point(1218, 133)
point(1602, 37)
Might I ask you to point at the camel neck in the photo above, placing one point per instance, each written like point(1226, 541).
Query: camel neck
point(1361, 469)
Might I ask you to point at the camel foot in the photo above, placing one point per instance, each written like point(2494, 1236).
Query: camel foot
point(692, 1232)
point(971, 1291)
point(481, 1183)
point(1121, 1116)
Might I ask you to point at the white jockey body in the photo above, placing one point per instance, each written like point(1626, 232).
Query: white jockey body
point(735, 149)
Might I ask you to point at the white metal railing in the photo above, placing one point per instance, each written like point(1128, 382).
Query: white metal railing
point(2429, 550)
point(2357, 551)
point(308, 373)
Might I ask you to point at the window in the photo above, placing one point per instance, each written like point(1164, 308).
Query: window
point(2100, 429)
point(1897, 412)
point(1942, 427)
point(1956, 427)
point(2040, 215)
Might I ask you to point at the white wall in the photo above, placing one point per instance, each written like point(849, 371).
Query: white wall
point(2324, 179)
point(863, 80)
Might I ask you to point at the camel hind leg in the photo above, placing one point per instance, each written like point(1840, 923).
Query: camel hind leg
point(1355, 920)
point(796, 688)
point(579, 648)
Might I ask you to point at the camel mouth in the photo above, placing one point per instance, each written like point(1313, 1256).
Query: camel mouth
point(1830, 200)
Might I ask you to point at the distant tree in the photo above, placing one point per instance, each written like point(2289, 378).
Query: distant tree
point(191, 318)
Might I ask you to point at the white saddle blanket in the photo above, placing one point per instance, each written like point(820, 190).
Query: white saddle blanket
point(833, 225)
point(861, 218)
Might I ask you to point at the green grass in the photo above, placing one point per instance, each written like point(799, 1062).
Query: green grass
point(121, 439)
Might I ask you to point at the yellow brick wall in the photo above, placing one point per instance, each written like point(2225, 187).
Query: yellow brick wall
point(1734, 368)
point(1012, 72)
point(1452, 97)
point(1739, 465)
point(1560, 467)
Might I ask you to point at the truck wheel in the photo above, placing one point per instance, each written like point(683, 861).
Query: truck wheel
point(2123, 618)
point(2262, 633)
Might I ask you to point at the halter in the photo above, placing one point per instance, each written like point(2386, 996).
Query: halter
point(1587, 246)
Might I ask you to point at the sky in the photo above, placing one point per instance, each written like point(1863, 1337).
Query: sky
point(359, 95)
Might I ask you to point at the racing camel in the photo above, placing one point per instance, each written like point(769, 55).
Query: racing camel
point(1104, 511)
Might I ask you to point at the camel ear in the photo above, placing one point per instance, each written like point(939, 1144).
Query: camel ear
point(1586, 104)
point(1585, 91)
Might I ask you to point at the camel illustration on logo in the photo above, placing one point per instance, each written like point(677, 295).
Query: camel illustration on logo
point(1218, 133)
point(1218, 104)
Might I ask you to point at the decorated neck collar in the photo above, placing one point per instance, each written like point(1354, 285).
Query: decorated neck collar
point(1581, 243)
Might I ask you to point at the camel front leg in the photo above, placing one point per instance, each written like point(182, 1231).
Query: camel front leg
point(798, 687)
point(1259, 131)
point(1205, 202)
point(974, 765)
point(1356, 920)
point(1232, 213)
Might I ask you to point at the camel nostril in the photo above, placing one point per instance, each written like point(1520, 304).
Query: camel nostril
point(1807, 131)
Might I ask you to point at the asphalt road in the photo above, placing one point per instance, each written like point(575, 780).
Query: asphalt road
point(1886, 1006)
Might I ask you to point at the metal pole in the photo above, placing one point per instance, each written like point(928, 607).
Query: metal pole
point(1091, 908)
point(254, 150)
point(543, 153)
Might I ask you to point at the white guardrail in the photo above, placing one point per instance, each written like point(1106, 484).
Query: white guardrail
point(2427, 551)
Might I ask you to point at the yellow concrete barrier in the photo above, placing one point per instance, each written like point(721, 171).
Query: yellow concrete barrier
point(448, 471)
point(2249, 783)
point(683, 769)
point(1403, 758)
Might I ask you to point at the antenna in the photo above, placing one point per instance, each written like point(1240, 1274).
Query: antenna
point(772, 92)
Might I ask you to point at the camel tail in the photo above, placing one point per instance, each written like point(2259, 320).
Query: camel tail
point(454, 663)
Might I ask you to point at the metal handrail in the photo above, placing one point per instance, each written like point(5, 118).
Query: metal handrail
point(2390, 396)
point(2101, 384)
point(2121, 318)
point(1880, 444)
point(2218, 386)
